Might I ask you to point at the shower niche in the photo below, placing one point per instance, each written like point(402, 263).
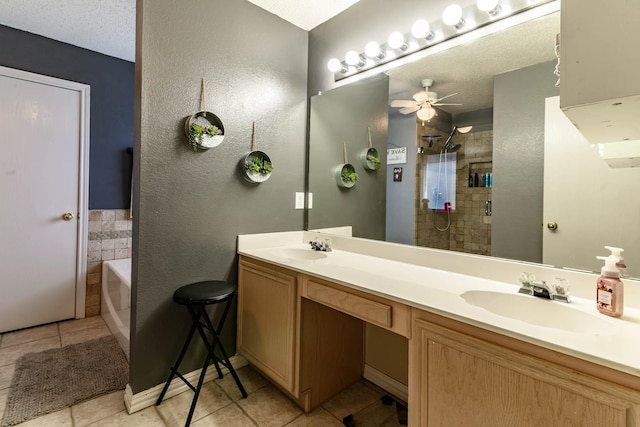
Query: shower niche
point(480, 174)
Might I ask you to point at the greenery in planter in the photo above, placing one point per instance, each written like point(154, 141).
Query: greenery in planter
point(374, 161)
point(259, 165)
point(349, 175)
point(197, 132)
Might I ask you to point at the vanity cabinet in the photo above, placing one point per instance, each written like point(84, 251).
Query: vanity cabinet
point(599, 62)
point(306, 335)
point(456, 379)
point(268, 318)
point(310, 351)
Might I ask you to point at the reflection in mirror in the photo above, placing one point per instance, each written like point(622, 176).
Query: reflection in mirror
point(499, 206)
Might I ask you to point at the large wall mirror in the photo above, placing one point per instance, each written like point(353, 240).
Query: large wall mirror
point(542, 170)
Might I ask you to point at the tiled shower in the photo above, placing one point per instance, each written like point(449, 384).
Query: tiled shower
point(470, 224)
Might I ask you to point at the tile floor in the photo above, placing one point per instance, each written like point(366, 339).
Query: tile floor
point(220, 403)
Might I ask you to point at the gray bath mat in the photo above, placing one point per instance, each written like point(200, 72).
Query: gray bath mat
point(54, 379)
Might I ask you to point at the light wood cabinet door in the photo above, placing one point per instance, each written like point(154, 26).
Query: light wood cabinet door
point(267, 321)
point(457, 380)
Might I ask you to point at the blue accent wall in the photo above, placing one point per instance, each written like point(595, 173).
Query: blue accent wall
point(112, 90)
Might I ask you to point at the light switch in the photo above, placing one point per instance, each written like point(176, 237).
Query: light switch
point(309, 200)
point(299, 200)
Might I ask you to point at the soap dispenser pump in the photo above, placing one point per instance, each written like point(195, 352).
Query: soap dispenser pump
point(610, 290)
point(617, 252)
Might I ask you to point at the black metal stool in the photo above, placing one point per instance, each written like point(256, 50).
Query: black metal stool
point(197, 296)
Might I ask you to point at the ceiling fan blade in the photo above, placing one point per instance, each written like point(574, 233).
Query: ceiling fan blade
point(420, 96)
point(444, 97)
point(399, 103)
point(438, 105)
point(408, 110)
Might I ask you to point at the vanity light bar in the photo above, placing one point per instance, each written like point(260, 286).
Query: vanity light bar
point(424, 35)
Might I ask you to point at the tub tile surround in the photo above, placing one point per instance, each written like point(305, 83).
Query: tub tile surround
point(109, 238)
point(433, 280)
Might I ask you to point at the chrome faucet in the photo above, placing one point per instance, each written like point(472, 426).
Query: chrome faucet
point(322, 245)
point(540, 289)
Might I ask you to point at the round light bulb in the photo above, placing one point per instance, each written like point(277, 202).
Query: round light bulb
point(352, 58)
point(426, 114)
point(396, 40)
point(487, 5)
point(420, 29)
point(334, 65)
point(372, 49)
point(452, 15)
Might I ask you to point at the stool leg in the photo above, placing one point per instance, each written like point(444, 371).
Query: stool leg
point(174, 369)
point(217, 342)
point(205, 339)
point(198, 388)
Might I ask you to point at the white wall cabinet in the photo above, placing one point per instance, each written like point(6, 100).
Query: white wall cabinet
point(599, 65)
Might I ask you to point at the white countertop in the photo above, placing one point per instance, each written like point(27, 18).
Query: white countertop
point(585, 333)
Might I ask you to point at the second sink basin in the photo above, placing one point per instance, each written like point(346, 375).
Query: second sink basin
point(540, 312)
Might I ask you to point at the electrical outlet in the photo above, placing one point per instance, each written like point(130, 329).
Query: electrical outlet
point(299, 200)
point(309, 200)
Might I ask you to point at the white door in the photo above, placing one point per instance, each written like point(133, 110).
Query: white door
point(592, 204)
point(42, 131)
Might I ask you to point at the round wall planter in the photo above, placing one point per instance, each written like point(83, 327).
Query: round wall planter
point(257, 167)
point(204, 130)
point(344, 170)
point(370, 159)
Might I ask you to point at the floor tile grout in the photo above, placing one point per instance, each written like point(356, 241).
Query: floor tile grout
point(262, 383)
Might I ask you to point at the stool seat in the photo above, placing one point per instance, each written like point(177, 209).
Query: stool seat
point(206, 292)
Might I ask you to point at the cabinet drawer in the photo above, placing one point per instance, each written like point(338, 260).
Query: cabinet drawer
point(377, 311)
point(365, 309)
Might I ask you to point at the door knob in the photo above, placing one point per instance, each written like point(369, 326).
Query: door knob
point(553, 226)
point(67, 216)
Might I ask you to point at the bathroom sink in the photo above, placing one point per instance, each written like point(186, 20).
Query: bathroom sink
point(298, 254)
point(539, 312)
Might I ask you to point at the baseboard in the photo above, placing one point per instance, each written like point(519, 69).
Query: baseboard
point(144, 399)
point(385, 382)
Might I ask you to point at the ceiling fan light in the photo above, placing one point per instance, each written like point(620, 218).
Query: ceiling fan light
point(373, 50)
point(425, 113)
point(396, 41)
point(354, 59)
point(334, 65)
point(492, 7)
point(421, 30)
point(452, 16)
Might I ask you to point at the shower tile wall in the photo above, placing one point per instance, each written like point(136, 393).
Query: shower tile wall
point(470, 229)
point(109, 238)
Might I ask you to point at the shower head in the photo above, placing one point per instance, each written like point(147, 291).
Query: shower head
point(448, 145)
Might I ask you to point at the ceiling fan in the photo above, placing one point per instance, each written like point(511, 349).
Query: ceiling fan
point(422, 102)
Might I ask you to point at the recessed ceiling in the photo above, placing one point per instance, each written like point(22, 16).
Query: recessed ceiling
point(109, 26)
point(306, 14)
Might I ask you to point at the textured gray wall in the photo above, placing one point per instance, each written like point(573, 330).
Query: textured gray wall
point(518, 163)
point(343, 115)
point(401, 197)
point(189, 207)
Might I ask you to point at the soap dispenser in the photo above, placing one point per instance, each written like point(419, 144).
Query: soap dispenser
point(610, 290)
point(620, 265)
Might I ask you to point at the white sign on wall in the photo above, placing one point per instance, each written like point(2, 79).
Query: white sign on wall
point(396, 155)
